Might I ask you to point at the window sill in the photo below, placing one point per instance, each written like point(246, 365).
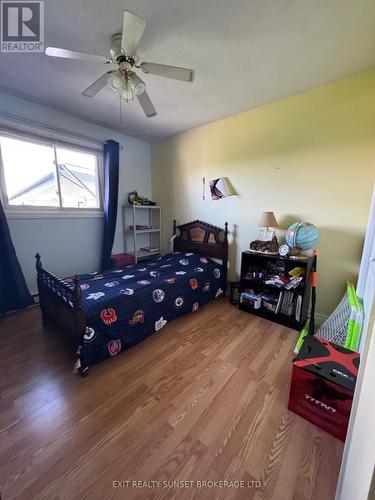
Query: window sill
point(53, 214)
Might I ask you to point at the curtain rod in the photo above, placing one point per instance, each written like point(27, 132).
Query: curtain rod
point(33, 123)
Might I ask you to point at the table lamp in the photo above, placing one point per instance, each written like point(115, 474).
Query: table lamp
point(268, 220)
point(267, 241)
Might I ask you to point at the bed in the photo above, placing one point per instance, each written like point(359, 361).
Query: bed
point(107, 312)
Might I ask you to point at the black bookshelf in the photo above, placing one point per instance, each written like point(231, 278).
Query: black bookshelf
point(252, 260)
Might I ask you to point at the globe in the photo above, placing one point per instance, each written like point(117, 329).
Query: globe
point(302, 236)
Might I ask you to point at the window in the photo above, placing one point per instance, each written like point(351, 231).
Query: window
point(48, 176)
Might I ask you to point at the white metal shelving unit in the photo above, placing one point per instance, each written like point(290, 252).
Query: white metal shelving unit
point(134, 239)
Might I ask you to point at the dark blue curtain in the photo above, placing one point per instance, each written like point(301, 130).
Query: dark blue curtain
point(14, 293)
point(110, 190)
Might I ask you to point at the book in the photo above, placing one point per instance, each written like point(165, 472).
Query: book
point(287, 303)
point(269, 306)
point(149, 249)
point(293, 283)
point(278, 305)
point(298, 307)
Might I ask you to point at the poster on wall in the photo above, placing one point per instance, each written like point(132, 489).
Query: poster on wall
point(220, 188)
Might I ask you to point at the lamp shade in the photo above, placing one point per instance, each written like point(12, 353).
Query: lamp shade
point(221, 188)
point(268, 219)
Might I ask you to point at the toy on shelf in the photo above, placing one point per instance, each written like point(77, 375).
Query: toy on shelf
point(135, 199)
point(269, 247)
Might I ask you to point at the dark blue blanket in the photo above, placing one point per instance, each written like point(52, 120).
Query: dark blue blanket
point(124, 306)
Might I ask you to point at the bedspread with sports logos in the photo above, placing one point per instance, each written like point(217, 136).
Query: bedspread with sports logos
point(124, 306)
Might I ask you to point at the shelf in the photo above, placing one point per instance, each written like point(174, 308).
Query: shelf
point(274, 287)
point(288, 258)
point(142, 206)
point(263, 262)
point(146, 224)
point(143, 253)
point(282, 319)
point(140, 231)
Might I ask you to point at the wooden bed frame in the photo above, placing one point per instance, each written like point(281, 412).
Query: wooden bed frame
point(61, 302)
point(202, 238)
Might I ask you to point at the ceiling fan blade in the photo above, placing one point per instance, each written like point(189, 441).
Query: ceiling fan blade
point(146, 104)
point(132, 31)
point(183, 74)
point(69, 54)
point(98, 85)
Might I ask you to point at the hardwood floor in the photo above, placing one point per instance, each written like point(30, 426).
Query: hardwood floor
point(204, 399)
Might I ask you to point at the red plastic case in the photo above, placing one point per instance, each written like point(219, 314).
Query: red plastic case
point(323, 382)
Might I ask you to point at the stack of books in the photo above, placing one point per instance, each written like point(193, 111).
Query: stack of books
point(289, 304)
point(251, 299)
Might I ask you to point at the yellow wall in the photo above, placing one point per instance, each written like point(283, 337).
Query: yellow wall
point(311, 156)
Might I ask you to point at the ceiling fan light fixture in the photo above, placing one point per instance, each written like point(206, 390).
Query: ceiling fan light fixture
point(127, 91)
point(115, 81)
point(138, 84)
point(121, 85)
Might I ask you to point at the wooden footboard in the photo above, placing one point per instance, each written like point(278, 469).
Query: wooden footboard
point(61, 302)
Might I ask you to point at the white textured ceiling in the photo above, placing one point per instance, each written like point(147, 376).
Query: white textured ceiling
point(246, 53)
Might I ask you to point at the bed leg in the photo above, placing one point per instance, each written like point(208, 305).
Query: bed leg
point(225, 261)
point(46, 320)
point(83, 371)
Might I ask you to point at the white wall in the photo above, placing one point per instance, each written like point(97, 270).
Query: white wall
point(359, 453)
point(74, 245)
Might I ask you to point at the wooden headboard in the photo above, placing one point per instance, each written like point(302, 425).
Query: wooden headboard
point(202, 238)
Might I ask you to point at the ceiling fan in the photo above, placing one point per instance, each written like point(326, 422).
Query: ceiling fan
point(123, 53)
